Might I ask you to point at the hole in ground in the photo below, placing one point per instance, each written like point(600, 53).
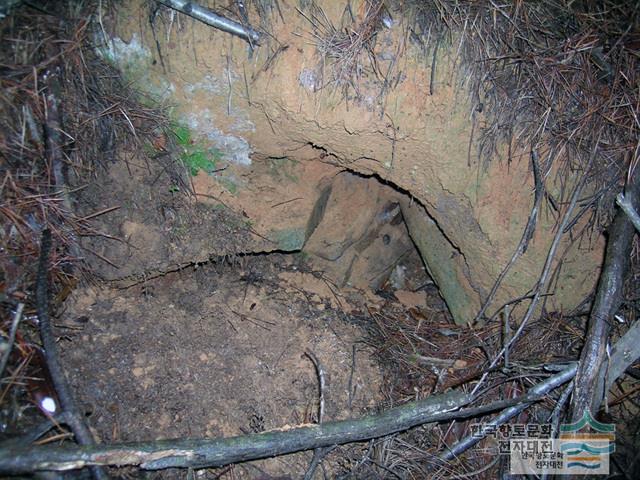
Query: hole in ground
point(216, 348)
point(358, 236)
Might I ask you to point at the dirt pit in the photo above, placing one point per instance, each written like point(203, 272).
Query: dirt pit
point(200, 325)
point(219, 350)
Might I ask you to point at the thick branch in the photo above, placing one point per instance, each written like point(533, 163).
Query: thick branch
point(623, 355)
point(74, 419)
point(201, 453)
point(216, 452)
point(589, 390)
point(626, 205)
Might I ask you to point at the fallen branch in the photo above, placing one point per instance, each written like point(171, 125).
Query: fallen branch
point(318, 453)
point(200, 453)
point(74, 419)
point(536, 393)
point(589, 390)
point(213, 19)
point(627, 206)
point(55, 156)
point(623, 355)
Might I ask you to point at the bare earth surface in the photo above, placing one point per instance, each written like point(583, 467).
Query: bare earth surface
point(217, 350)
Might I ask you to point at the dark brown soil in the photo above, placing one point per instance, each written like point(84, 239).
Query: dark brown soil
point(217, 350)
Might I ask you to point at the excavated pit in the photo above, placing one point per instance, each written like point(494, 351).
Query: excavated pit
point(235, 225)
point(201, 328)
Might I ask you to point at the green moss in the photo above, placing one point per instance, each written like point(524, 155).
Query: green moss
point(200, 160)
point(183, 135)
point(195, 155)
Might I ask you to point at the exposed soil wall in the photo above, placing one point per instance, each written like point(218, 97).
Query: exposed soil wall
point(287, 127)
